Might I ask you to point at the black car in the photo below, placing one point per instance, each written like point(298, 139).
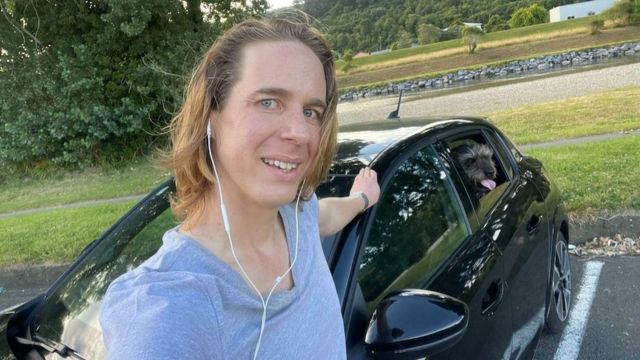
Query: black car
point(435, 269)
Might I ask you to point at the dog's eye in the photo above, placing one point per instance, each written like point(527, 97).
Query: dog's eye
point(470, 161)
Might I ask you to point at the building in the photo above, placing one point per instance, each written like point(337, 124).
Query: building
point(573, 11)
point(470, 24)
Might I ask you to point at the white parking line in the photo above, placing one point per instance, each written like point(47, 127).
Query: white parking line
point(571, 341)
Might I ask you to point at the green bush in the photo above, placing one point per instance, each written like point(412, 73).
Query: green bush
point(596, 25)
point(94, 80)
point(621, 13)
point(531, 15)
point(428, 34)
point(496, 23)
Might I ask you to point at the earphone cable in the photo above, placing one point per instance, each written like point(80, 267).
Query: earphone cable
point(227, 228)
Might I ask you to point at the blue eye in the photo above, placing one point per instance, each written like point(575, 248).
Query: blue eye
point(310, 113)
point(268, 103)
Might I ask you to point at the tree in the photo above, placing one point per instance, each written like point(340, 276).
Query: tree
point(404, 39)
point(532, 15)
point(471, 36)
point(496, 23)
point(596, 25)
point(428, 34)
point(97, 79)
point(347, 57)
point(622, 12)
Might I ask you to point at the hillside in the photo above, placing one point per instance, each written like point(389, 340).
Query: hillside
point(367, 25)
point(447, 61)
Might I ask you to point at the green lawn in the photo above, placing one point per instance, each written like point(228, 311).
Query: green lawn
point(56, 236)
point(596, 176)
point(92, 184)
point(605, 112)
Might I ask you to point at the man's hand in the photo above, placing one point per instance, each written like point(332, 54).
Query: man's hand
point(367, 182)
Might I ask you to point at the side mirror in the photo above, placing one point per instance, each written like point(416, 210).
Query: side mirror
point(412, 324)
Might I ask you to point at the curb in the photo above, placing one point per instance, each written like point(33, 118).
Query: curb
point(583, 229)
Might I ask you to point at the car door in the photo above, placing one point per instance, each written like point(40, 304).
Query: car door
point(68, 314)
point(513, 216)
point(419, 237)
point(527, 252)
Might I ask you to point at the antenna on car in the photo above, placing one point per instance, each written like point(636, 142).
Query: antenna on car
point(395, 114)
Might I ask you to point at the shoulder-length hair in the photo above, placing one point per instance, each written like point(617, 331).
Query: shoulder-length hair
point(208, 90)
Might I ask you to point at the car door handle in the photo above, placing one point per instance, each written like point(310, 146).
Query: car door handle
point(534, 224)
point(492, 298)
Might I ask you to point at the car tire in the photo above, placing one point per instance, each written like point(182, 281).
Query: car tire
point(560, 291)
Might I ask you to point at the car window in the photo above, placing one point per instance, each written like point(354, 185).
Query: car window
point(71, 313)
point(417, 225)
point(481, 169)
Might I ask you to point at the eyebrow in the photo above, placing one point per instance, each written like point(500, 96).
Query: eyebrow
point(285, 93)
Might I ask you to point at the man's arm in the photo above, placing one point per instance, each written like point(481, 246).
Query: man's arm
point(336, 212)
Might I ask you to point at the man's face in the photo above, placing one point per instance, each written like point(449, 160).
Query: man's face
point(268, 132)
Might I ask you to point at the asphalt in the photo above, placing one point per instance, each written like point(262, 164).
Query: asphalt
point(611, 328)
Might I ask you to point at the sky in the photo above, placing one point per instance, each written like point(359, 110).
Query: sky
point(279, 3)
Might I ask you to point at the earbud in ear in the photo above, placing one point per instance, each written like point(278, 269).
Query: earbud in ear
point(208, 128)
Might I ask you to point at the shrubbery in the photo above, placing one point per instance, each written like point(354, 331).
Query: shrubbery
point(531, 15)
point(623, 13)
point(94, 80)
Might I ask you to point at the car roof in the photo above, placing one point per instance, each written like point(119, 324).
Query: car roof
point(360, 144)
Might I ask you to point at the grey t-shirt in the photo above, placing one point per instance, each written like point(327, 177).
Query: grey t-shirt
point(185, 303)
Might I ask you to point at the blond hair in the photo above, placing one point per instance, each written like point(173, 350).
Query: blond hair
point(208, 90)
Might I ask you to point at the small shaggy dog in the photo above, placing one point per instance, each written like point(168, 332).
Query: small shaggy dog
point(478, 165)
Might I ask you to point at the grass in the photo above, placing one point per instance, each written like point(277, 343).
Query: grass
point(596, 176)
point(491, 53)
point(92, 184)
point(549, 29)
point(454, 47)
point(56, 236)
point(606, 112)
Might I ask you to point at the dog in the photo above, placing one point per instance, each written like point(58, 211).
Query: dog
point(477, 163)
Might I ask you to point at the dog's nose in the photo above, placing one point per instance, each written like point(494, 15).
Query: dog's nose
point(490, 174)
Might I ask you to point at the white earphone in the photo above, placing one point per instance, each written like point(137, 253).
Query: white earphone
point(227, 229)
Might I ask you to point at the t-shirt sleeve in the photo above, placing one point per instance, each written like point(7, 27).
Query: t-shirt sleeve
point(142, 318)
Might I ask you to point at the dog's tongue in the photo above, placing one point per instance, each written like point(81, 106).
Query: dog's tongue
point(489, 184)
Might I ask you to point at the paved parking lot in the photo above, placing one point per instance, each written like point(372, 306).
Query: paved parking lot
point(603, 323)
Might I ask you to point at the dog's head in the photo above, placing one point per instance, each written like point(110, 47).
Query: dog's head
point(478, 165)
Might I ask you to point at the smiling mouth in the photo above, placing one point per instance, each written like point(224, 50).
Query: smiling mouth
point(282, 165)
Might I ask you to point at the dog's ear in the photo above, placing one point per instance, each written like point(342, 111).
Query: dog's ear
point(483, 150)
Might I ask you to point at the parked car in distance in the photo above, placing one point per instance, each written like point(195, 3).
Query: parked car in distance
point(440, 268)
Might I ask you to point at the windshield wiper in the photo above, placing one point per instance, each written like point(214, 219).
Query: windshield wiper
point(51, 346)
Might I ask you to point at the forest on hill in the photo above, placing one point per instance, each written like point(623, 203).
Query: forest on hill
point(369, 25)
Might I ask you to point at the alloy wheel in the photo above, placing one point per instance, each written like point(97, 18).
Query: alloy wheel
point(562, 281)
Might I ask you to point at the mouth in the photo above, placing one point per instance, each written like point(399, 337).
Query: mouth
point(279, 164)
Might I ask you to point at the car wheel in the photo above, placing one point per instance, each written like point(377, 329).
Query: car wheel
point(560, 294)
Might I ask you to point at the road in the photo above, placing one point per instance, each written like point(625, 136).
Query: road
point(482, 101)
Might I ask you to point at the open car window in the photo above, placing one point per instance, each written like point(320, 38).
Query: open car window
point(482, 168)
point(71, 312)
